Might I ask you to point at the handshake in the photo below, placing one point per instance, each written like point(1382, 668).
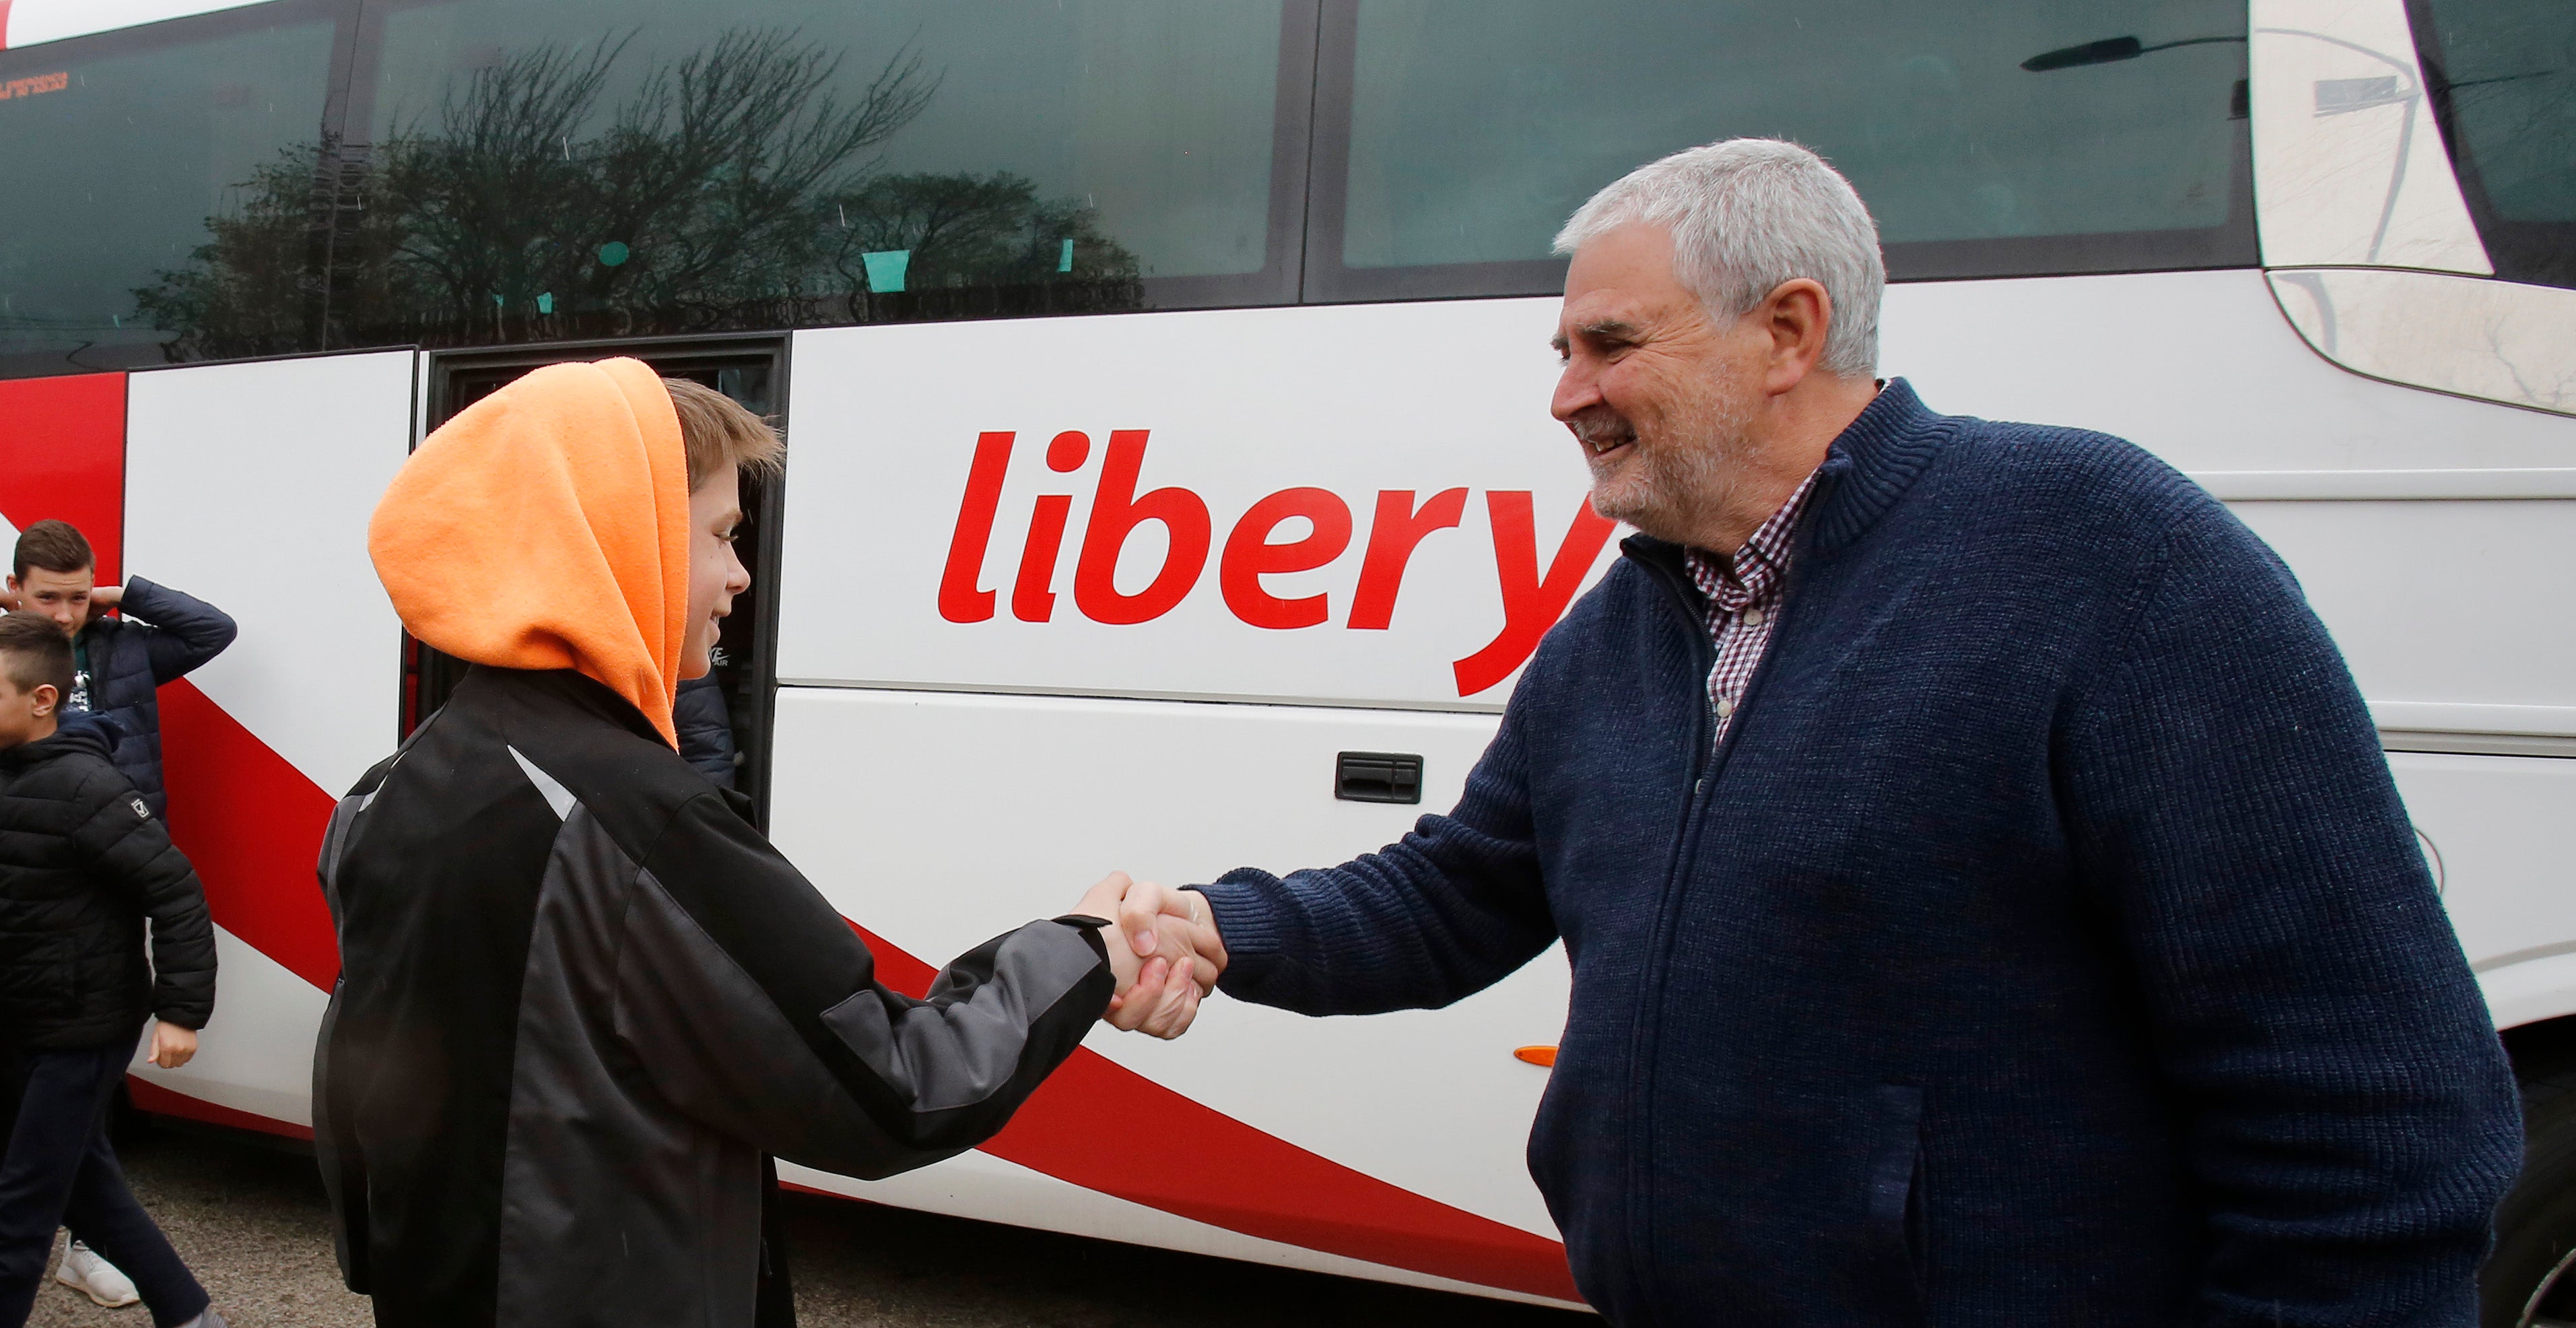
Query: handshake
point(1163, 948)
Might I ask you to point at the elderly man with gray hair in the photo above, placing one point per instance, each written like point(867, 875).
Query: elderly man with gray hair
point(1987, 900)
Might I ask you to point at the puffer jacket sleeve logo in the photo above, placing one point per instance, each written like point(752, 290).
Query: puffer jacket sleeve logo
point(139, 809)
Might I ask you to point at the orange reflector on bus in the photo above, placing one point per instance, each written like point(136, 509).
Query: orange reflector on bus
point(1537, 1055)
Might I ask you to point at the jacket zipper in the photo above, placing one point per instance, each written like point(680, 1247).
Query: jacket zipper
point(1708, 762)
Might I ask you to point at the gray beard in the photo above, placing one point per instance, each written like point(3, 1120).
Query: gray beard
point(1679, 489)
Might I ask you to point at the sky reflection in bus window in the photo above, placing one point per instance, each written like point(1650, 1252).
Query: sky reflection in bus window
point(113, 169)
point(1479, 125)
point(2504, 78)
point(741, 162)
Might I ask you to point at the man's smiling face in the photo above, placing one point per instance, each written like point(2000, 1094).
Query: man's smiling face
point(1658, 394)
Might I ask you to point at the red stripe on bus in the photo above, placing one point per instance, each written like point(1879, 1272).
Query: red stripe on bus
point(4, 25)
point(160, 1101)
point(62, 452)
point(1202, 1164)
point(253, 825)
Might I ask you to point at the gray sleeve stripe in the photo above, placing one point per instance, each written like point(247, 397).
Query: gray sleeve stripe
point(957, 1054)
point(557, 796)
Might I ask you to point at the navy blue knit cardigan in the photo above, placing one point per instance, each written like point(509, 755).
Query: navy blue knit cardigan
point(2046, 944)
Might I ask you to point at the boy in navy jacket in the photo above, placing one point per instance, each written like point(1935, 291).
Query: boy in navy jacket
point(83, 862)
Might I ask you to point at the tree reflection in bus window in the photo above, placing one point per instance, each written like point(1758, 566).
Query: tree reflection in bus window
point(2503, 78)
point(1477, 126)
point(583, 169)
point(116, 153)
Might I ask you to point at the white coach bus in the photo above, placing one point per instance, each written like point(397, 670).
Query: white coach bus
point(1173, 486)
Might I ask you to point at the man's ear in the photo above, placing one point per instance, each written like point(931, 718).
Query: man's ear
point(1798, 313)
point(45, 696)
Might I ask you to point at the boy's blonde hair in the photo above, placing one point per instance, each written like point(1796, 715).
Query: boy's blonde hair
point(719, 433)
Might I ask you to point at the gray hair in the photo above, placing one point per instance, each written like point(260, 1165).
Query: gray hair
point(1747, 214)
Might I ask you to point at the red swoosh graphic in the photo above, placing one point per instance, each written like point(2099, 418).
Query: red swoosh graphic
point(253, 825)
point(62, 441)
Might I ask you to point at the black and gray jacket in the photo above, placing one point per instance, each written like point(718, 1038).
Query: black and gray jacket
point(82, 863)
point(581, 997)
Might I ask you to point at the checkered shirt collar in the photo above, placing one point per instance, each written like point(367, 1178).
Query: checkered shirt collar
point(1753, 575)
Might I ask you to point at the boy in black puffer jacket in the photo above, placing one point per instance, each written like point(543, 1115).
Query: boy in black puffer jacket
point(82, 863)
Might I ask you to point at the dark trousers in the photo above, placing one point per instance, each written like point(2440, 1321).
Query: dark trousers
point(60, 1171)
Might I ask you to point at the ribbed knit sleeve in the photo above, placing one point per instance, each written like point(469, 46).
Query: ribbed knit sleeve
point(2347, 1109)
point(1450, 909)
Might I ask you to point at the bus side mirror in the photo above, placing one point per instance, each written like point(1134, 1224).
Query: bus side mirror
point(2101, 52)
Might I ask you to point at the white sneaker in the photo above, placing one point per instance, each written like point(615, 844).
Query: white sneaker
point(83, 1271)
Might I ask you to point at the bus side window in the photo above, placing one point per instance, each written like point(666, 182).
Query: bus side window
point(552, 170)
point(124, 154)
point(2502, 77)
point(1475, 127)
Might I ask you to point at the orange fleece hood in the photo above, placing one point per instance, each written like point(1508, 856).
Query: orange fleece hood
point(547, 527)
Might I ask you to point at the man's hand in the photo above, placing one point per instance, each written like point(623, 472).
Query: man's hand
point(172, 1046)
point(1161, 983)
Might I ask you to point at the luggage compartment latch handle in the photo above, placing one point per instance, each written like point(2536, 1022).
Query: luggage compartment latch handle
point(1377, 777)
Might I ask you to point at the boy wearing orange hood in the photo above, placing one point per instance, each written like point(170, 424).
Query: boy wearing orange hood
point(582, 1000)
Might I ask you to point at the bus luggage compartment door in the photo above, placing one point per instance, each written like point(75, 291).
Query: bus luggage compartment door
point(935, 820)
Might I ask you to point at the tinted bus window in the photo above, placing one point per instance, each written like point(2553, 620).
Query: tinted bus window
point(590, 168)
point(126, 156)
point(2503, 78)
point(1474, 127)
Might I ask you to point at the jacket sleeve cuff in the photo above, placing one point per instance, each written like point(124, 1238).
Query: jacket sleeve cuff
point(1089, 928)
point(1245, 919)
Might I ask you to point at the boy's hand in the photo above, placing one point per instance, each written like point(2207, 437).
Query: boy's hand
point(1157, 919)
point(1159, 989)
point(172, 1046)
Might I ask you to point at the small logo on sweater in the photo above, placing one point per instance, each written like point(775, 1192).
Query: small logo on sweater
point(140, 809)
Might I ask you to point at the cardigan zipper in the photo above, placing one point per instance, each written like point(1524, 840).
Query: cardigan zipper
point(1708, 762)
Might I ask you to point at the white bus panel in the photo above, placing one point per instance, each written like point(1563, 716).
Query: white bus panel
point(1343, 505)
point(249, 486)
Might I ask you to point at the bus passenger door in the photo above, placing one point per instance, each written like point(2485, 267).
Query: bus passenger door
point(750, 370)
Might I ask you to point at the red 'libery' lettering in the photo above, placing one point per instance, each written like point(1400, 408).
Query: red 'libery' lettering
point(960, 601)
point(1031, 599)
point(1032, 595)
point(1392, 537)
point(1249, 556)
point(1116, 511)
point(1531, 604)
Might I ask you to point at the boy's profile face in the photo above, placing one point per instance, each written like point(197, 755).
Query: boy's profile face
point(26, 713)
point(716, 575)
point(61, 596)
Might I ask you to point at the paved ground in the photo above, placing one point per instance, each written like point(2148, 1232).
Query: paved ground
point(249, 1220)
